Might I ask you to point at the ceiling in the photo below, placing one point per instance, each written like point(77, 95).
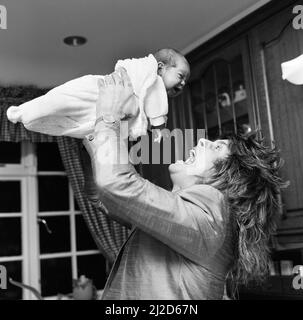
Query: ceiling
point(32, 50)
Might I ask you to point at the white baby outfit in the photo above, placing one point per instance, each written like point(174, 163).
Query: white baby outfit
point(70, 109)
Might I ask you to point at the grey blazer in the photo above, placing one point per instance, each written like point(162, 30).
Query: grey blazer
point(181, 243)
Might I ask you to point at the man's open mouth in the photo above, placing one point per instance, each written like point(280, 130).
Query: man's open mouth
point(192, 157)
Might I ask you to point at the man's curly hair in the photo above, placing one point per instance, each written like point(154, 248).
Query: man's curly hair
point(249, 178)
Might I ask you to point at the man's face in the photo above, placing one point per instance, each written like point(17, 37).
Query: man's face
point(200, 162)
point(175, 77)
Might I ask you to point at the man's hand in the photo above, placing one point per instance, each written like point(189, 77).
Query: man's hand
point(116, 96)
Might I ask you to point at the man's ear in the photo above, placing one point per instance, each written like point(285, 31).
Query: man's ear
point(161, 67)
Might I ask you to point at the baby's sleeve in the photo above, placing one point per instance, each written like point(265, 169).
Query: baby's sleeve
point(156, 103)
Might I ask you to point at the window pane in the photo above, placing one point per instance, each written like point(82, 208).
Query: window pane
point(14, 271)
point(10, 194)
point(76, 205)
point(83, 236)
point(56, 276)
point(10, 152)
point(93, 267)
point(10, 237)
point(59, 239)
point(53, 193)
point(49, 158)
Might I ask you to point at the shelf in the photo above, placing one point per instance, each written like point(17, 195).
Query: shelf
point(226, 114)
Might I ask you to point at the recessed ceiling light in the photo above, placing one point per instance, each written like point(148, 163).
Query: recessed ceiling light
point(75, 41)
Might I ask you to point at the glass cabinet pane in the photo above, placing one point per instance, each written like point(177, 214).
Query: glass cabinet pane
point(53, 193)
point(56, 276)
point(10, 237)
point(10, 152)
point(10, 192)
point(59, 238)
point(224, 96)
point(198, 106)
point(240, 95)
point(226, 106)
point(210, 98)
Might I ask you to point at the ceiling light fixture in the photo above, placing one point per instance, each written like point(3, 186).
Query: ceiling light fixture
point(75, 41)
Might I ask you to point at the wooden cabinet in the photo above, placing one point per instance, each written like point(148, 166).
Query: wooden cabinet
point(247, 59)
point(249, 66)
point(281, 113)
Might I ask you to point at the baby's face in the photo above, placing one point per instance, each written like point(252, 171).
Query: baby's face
point(175, 78)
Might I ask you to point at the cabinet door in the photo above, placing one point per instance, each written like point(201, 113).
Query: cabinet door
point(221, 92)
point(281, 112)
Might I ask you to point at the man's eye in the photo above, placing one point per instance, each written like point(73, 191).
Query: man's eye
point(218, 147)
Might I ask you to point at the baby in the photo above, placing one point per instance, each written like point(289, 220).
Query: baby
point(70, 109)
point(174, 70)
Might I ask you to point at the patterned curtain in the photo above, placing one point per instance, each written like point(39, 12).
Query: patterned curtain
point(14, 96)
point(108, 235)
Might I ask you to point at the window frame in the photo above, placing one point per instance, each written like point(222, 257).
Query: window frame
point(27, 172)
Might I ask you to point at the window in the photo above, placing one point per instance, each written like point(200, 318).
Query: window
point(44, 240)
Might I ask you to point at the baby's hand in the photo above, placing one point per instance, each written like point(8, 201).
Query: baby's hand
point(158, 135)
point(160, 132)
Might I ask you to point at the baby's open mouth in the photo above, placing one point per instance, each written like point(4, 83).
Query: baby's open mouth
point(175, 91)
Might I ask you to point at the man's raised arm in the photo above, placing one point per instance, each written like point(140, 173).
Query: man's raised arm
point(187, 221)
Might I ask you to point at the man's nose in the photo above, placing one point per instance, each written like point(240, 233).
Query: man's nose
point(203, 142)
point(183, 82)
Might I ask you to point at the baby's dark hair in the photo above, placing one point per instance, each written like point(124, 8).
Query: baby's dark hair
point(168, 56)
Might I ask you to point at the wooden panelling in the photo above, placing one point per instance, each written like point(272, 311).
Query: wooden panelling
point(285, 99)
